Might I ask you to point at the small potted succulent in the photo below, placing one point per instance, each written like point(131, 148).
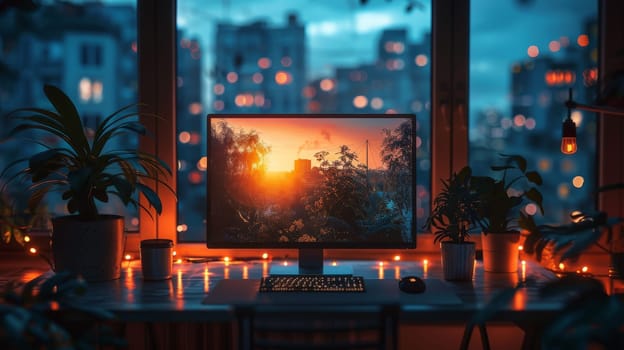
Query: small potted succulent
point(453, 215)
point(86, 169)
point(502, 209)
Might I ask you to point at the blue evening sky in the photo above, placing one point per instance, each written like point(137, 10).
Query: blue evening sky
point(345, 33)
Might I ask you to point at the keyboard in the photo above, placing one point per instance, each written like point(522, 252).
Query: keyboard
point(312, 283)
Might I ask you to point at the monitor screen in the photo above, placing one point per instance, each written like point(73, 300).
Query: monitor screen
point(311, 181)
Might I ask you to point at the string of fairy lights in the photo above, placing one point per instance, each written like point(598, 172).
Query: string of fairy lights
point(426, 263)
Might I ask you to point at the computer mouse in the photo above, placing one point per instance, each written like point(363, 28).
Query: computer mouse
point(412, 284)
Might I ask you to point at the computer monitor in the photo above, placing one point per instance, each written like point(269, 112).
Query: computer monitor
point(310, 182)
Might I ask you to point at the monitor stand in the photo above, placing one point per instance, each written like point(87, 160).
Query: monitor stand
point(312, 262)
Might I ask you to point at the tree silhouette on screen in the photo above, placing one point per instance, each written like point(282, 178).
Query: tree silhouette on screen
point(396, 154)
point(343, 192)
point(240, 158)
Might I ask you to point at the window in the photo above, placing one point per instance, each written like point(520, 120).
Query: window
point(271, 57)
point(449, 90)
point(523, 61)
point(90, 54)
point(114, 30)
point(80, 47)
point(90, 91)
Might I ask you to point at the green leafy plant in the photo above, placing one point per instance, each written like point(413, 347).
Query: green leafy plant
point(46, 313)
point(501, 197)
point(11, 232)
point(455, 209)
point(16, 225)
point(84, 168)
point(570, 240)
point(16, 221)
point(589, 317)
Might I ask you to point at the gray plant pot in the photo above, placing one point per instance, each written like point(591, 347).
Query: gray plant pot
point(92, 249)
point(458, 260)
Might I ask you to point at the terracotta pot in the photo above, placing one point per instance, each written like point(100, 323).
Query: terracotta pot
point(617, 265)
point(458, 260)
point(500, 251)
point(92, 249)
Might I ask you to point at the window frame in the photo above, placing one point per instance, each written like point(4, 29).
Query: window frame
point(449, 118)
point(610, 163)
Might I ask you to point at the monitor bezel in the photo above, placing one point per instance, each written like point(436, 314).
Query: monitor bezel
point(219, 244)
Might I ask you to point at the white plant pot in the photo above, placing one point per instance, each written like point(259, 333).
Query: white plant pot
point(92, 249)
point(458, 260)
point(500, 251)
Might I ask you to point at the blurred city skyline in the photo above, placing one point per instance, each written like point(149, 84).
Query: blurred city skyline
point(345, 33)
point(269, 69)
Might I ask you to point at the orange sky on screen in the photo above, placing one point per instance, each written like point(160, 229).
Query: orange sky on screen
point(301, 138)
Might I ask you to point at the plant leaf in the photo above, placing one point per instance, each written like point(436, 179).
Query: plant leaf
point(70, 117)
point(152, 197)
point(534, 177)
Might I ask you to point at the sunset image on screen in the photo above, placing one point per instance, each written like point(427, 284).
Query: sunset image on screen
point(290, 139)
point(288, 180)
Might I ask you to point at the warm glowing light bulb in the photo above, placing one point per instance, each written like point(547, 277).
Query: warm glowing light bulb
point(520, 248)
point(26, 239)
point(561, 266)
point(128, 256)
point(585, 269)
point(226, 259)
point(568, 137)
point(174, 253)
point(179, 261)
point(381, 263)
point(33, 250)
point(568, 145)
point(397, 258)
point(265, 256)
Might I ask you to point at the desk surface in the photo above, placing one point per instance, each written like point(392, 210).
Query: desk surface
point(181, 298)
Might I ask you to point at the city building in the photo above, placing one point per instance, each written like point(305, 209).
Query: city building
point(259, 68)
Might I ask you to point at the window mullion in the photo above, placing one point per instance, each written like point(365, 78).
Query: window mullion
point(611, 128)
point(459, 63)
point(449, 136)
point(157, 73)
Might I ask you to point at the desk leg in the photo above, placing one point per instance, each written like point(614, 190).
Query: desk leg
point(149, 335)
point(245, 327)
point(485, 341)
point(531, 340)
point(390, 316)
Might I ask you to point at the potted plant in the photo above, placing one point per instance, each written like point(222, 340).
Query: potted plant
point(87, 169)
point(586, 229)
point(502, 209)
point(589, 316)
point(11, 232)
point(45, 313)
point(16, 221)
point(453, 215)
